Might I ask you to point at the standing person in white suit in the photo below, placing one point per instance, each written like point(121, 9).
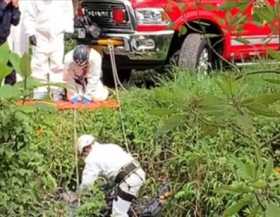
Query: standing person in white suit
point(46, 21)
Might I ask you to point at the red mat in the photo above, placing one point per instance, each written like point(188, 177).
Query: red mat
point(66, 105)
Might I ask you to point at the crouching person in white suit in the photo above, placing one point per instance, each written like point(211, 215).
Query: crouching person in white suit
point(82, 74)
point(113, 163)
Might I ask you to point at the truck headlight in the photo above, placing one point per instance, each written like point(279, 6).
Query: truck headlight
point(154, 16)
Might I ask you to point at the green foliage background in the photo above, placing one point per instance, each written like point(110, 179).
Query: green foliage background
point(37, 156)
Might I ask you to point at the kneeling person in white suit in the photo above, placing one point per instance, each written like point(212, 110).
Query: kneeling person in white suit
point(113, 163)
point(82, 74)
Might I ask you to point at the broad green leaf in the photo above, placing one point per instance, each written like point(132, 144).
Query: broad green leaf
point(163, 96)
point(259, 184)
point(229, 5)
point(9, 92)
point(274, 54)
point(228, 85)
point(254, 211)
point(268, 168)
point(236, 207)
point(49, 182)
point(263, 110)
point(210, 130)
point(31, 83)
point(238, 21)
point(210, 100)
point(162, 112)
point(245, 123)
point(272, 81)
point(263, 99)
point(4, 53)
point(213, 105)
point(25, 65)
point(275, 183)
point(15, 60)
point(263, 15)
point(246, 170)
point(272, 210)
point(4, 70)
point(209, 7)
point(171, 123)
point(236, 188)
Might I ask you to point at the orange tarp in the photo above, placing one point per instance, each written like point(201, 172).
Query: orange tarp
point(66, 105)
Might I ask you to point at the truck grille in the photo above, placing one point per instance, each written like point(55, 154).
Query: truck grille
point(102, 14)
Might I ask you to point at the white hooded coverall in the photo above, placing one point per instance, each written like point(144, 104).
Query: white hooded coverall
point(48, 20)
point(94, 87)
point(107, 160)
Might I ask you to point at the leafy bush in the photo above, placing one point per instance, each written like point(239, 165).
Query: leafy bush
point(171, 130)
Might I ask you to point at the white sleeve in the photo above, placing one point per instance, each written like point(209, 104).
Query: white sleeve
point(94, 77)
point(90, 174)
point(29, 21)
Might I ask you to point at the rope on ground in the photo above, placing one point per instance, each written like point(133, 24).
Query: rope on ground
point(76, 150)
point(116, 83)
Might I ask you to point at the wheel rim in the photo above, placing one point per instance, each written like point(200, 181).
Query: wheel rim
point(204, 64)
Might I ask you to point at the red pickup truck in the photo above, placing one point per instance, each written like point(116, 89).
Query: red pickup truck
point(197, 34)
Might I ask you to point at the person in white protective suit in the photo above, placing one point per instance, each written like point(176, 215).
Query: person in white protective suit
point(113, 163)
point(82, 74)
point(45, 22)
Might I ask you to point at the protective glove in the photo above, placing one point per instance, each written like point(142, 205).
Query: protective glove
point(33, 40)
point(75, 99)
point(86, 99)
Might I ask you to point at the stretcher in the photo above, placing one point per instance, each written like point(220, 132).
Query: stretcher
point(66, 105)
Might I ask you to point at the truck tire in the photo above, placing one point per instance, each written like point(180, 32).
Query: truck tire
point(195, 54)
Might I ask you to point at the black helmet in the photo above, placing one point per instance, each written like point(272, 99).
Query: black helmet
point(81, 55)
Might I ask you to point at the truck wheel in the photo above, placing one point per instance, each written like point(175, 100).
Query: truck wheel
point(195, 54)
